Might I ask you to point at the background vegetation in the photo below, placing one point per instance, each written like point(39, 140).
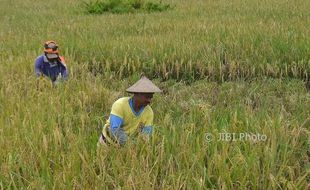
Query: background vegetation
point(252, 59)
point(125, 6)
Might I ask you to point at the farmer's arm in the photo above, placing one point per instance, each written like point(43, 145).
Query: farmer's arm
point(37, 66)
point(116, 121)
point(64, 71)
point(148, 127)
point(64, 74)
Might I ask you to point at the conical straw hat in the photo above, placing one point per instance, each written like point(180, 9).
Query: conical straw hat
point(144, 85)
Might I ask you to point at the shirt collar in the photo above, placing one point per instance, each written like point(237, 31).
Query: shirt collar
point(130, 101)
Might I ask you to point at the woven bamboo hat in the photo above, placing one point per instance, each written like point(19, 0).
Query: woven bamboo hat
point(144, 85)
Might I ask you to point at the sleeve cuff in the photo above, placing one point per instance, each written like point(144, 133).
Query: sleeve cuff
point(147, 130)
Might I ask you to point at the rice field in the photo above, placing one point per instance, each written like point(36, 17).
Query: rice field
point(231, 71)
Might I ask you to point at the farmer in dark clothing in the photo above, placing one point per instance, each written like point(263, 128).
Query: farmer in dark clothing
point(50, 64)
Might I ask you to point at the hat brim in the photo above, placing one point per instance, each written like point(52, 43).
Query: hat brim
point(51, 55)
point(144, 85)
point(143, 91)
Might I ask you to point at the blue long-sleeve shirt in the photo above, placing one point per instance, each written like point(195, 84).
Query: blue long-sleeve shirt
point(116, 130)
point(42, 66)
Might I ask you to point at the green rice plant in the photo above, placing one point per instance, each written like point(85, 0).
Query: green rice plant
point(99, 7)
point(124, 6)
point(156, 7)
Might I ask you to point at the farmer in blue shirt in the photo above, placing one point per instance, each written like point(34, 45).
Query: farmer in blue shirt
point(50, 64)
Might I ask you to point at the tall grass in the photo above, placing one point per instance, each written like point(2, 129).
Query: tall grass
point(48, 135)
point(211, 39)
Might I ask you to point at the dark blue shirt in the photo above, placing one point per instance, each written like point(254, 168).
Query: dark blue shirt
point(43, 66)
